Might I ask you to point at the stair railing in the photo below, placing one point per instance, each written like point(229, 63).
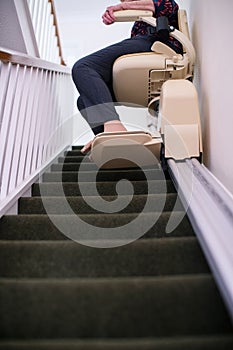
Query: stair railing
point(36, 109)
point(44, 21)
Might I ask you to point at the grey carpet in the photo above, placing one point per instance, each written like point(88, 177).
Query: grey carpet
point(154, 293)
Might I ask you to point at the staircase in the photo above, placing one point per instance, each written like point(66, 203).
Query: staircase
point(154, 293)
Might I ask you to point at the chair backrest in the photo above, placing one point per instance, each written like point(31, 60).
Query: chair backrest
point(138, 78)
point(183, 23)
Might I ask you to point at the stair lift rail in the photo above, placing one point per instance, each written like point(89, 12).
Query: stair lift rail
point(210, 209)
point(36, 106)
point(208, 204)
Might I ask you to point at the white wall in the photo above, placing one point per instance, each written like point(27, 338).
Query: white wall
point(26, 27)
point(211, 30)
point(11, 36)
point(16, 31)
point(82, 30)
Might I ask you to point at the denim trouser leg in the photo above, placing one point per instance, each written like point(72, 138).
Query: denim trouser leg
point(92, 76)
point(81, 107)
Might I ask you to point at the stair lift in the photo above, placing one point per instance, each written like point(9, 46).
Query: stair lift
point(148, 78)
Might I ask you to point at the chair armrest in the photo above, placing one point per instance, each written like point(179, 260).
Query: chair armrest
point(187, 44)
point(159, 47)
point(147, 17)
point(131, 15)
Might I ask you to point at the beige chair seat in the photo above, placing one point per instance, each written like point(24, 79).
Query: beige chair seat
point(138, 78)
point(135, 88)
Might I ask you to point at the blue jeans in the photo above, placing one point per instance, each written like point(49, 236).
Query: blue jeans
point(92, 76)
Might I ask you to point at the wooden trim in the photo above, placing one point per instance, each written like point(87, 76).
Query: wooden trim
point(25, 60)
point(55, 22)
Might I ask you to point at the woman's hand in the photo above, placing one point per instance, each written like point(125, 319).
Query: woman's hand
point(108, 16)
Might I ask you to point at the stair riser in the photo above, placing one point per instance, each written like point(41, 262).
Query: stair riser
point(74, 152)
point(74, 159)
point(77, 157)
point(117, 308)
point(87, 176)
point(103, 188)
point(68, 259)
point(78, 205)
point(35, 227)
point(75, 166)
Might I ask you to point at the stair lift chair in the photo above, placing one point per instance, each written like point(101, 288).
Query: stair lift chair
point(144, 79)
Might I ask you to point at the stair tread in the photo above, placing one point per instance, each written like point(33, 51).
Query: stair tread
point(114, 281)
point(208, 342)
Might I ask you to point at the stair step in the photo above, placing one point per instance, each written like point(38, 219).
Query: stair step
point(74, 152)
point(88, 166)
point(46, 259)
point(40, 227)
point(77, 157)
point(116, 307)
point(154, 293)
point(199, 342)
point(107, 188)
point(104, 175)
point(74, 159)
point(77, 147)
point(73, 167)
point(58, 205)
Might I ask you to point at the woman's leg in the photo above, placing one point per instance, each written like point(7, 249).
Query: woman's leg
point(96, 129)
point(92, 76)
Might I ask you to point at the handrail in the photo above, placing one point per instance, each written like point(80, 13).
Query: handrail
point(55, 22)
point(36, 121)
point(22, 59)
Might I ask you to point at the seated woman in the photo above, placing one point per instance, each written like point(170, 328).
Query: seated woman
point(92, 74)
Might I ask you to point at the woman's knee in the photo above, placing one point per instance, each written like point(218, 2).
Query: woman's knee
point(80, 104)
point(75, 70)
point(78, 68)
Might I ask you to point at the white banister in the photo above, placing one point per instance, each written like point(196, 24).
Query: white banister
point(36, 110)
point(44, 22)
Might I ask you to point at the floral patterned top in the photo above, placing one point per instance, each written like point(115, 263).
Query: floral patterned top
point(168, 8)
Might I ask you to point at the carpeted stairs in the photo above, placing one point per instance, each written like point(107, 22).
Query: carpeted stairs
point(154, 293)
